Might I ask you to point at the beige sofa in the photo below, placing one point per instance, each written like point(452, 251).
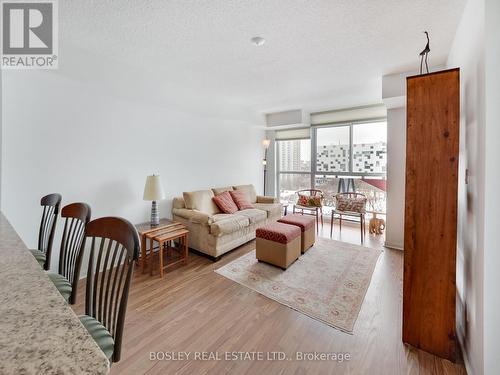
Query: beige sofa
point(214, 233)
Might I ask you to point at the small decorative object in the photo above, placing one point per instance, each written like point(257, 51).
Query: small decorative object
point(424, 54)
point(153, 191)
point(377, 225)
point(266, 143)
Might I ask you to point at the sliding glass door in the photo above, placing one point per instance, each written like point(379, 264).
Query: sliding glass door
point(350, 157)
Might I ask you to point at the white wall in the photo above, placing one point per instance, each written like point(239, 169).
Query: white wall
point(396, 158)
point(394, 97)
point(96, 143)
point(468, 53)
point(492, 191)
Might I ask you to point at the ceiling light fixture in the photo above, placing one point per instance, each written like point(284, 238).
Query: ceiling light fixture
point(257, 40)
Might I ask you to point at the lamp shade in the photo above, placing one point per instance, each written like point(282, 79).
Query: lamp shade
point(266, 143)
point(153, 191)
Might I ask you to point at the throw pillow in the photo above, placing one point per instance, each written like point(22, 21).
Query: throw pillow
point(225, 203)
point(302, 200)
point(351, 204)
point(240, 197)
point(307, 201)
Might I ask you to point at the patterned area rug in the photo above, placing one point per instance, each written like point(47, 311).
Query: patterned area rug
point(327, 283)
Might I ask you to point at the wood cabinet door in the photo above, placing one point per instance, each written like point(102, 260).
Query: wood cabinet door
point(432, 145)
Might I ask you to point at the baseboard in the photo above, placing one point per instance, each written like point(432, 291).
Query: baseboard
point(463, 354)
point(393, 246)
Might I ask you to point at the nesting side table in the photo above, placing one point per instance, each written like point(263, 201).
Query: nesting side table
point(163, 233)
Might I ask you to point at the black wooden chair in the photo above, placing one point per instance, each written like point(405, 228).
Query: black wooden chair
point(72, 247)
point(114, 249)
point(50, 204)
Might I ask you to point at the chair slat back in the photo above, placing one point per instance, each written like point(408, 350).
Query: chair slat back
point(77, 216)
point(349, 196)
point(114, 248)
point(50, 204)
point(310, 193)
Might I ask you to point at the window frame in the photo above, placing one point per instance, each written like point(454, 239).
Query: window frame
point(278, 163)
point(350, 172)
point(313, 172)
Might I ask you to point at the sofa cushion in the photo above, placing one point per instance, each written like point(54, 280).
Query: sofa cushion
point(39, 256)
point(201, 200)
point(230, 224)
point(219, 190)
point(178, 202)
point(241, 199)
point(62, 284)
point(225, 203)
point(100, 334)
point(193, 216)
point(250, 190)
point(254, 215)
point(272, 209)
point(218, 217)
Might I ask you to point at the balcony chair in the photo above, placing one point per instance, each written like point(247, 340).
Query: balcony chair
point(350, 205)
point(311, 201)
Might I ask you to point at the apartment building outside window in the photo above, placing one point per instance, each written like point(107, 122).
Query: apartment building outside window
point(336, 158)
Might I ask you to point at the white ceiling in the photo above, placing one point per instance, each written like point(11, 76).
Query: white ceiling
point(318, 53)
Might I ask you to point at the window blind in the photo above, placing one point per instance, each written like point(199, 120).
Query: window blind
point(350, 114)
point(290, 134)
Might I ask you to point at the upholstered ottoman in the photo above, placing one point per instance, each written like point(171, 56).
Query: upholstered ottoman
point(306, 225)
point(278, 244)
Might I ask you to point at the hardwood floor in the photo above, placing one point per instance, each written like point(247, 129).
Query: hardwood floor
point(193, 309)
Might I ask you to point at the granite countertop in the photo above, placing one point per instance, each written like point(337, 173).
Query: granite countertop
point(39, 332)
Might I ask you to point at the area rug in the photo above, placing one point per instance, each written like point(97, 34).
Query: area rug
point(327, 283)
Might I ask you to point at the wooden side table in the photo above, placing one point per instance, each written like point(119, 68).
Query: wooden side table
point(163, 238)
point(146, 230)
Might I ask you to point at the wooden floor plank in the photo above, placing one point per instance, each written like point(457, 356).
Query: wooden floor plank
point(194, 309)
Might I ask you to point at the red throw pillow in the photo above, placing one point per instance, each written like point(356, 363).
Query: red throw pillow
point(302, 200)
point(241, 199)
point(225, 203)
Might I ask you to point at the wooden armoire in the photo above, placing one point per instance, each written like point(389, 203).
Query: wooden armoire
point(430, 240)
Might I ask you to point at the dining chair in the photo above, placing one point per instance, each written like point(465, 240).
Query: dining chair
point(113, 251)
point(50, 204)
point(77, 216)
point(350, 205)
point(311, 201)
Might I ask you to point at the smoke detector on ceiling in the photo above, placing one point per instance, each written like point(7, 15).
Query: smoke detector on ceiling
point(258, 40)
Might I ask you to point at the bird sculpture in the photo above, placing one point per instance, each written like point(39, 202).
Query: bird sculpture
point(424, 53)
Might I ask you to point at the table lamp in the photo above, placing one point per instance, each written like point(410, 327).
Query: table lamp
point(153, 191)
